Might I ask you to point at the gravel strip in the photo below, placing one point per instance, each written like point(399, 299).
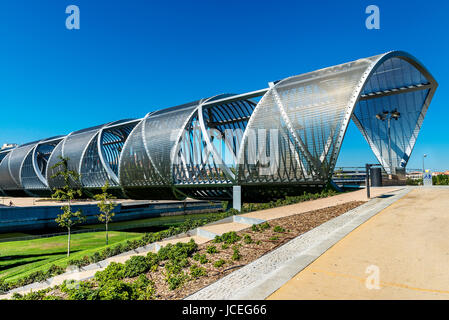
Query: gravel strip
point(263, 276)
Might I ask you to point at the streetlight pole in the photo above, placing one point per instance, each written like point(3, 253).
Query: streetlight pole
point(388, 115)
point(423, 167)
point(389, 146)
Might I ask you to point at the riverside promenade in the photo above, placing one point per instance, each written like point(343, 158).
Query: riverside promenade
point(400, 253)
point(205, 234)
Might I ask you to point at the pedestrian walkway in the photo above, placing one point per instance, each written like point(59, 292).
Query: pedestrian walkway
point(400, 253)
point(208, 232)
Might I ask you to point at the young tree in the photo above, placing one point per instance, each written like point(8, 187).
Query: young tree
point(106, 206)
point(67, 193)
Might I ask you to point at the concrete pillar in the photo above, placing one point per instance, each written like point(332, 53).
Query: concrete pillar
point(237, 198)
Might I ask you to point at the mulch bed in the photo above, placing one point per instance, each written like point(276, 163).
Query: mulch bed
point(263, 243)
point(294, 225)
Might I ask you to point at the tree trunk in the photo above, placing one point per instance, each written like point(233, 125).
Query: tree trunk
point(68, 243)
point(107, 239)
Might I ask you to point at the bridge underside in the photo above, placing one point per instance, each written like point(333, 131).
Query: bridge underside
point(271, 142)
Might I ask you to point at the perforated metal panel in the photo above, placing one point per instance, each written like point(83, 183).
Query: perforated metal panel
point(30, 180)
point(15, 162)
point(291, 136)
point(34, 167)
point(52, 180)
point(296, 131)
point(395, 85)
point(207, 149)
point(6, 180)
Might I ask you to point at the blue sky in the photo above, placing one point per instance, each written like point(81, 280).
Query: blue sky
point(131, 57)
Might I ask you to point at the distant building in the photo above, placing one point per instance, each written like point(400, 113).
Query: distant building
point(414, 175)
point(437, 173)
point(286, 140)
point(8, 146)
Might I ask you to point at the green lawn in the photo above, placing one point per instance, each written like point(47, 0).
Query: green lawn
point(160, 222)
point(19, 258)
point(12, 235)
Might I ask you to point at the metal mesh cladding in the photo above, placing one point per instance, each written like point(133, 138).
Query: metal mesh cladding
point(54, 182)
point(292, 135)
point(15, 161)
point(411, 89)
point(290, 138)
point(207, 149)
point(93, 173)
point(6, 180)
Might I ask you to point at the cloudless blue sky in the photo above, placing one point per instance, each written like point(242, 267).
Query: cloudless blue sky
point(131, 57)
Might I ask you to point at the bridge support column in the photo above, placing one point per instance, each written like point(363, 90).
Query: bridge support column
point(237, 198)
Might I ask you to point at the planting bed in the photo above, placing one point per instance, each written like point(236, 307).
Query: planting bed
point(211, 261)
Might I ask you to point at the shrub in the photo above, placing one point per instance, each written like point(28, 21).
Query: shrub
point(51, 297)
point(286, 200)
point(173, 268)
point(274, 238)
point(175, 281)
point(224, 246)
point(233, 211)
point(55, 270)
point(196, 271)
point(264, 226)
point(203, 259)
point(211, 249)
point(196, 256)
point(33, 295)
point(4, 286)
point(247, 239)
point(79, 290)
point(278, 229)
point(136, 265)
point(95, 258)
point(114, 271)
point(115, 290)
point(75, 262)
point(117, 249)
point(153, 260)
point(228, 237)
point(440, 179)
point(219, 263)
point(179, 251)
point(236, 254)
point(143, 289)
point(255, 228)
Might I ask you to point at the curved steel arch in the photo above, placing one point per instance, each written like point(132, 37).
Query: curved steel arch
point(145, 163)
point(11, 167)
point(310, 114)
point(204, 161)
point(73, 147)
point(35, 164)
point(292, 136)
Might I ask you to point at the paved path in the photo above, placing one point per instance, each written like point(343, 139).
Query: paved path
point(265, 275)
point(35, 202)
point(407, 242)
point(359, 195)
point(207, 233)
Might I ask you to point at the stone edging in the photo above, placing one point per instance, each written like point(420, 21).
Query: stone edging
point(265, 275)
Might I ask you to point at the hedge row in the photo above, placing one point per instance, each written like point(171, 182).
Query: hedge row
point(149, 238)
point(111, 251)
point(109, 285)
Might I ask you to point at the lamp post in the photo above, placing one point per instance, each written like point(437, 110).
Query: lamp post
point(388, 115)
point(423, 167)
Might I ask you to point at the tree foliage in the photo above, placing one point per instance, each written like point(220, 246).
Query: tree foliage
point(68, 192)
point(106, 205)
